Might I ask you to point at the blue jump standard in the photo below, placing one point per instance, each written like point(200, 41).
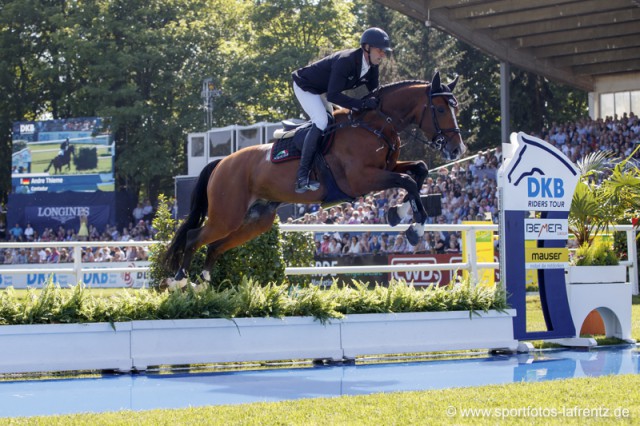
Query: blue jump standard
point(148, 391)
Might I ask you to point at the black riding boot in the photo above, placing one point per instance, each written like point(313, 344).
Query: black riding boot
point(303, 183)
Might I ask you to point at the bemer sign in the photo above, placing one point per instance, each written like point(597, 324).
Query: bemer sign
point(536, 184)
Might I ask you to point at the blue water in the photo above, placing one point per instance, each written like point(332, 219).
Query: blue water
point(150, 391)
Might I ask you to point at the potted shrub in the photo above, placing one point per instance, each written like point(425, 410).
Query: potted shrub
point(596, 263)
point(605, 195)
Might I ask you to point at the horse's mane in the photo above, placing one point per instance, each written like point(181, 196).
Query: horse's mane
point(398, 84)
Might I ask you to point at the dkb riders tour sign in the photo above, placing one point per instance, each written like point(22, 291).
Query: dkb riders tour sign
point(536, 184)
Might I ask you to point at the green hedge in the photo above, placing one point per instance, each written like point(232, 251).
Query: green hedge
point(53, 304)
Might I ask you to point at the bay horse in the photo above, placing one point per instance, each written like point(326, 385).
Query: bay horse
point(62, 159)
point(239, 194)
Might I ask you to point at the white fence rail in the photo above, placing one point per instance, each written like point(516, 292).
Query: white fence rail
point(78, 268)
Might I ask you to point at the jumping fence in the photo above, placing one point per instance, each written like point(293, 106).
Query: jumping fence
point(78, 268)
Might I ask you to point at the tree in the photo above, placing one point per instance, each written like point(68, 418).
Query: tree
point(283, 36)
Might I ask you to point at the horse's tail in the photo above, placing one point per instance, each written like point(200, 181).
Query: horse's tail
point(195, 219)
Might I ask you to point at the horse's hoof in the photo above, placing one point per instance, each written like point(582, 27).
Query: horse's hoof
point(393, 218)
point(412, 235)
point(172, 284)
point(198, 288)
point(164, 284)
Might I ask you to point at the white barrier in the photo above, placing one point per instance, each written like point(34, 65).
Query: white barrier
point(78, 268)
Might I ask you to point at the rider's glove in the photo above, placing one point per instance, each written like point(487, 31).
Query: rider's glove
point(369, 103)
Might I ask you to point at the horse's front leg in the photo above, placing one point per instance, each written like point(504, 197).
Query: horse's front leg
point(391, 179)
point(418, 172)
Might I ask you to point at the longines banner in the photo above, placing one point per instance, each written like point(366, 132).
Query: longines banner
point(53, 210)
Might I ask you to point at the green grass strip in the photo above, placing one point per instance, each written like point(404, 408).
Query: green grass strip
point(604, 400)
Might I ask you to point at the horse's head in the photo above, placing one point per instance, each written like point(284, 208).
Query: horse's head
point(432, 106)
point(442, 129)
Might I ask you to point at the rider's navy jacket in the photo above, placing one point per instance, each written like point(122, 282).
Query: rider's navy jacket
point(336, 73)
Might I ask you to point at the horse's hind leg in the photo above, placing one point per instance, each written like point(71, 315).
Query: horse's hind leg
point(258, 220)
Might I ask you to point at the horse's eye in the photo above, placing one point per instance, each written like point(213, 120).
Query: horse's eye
point(440, 110)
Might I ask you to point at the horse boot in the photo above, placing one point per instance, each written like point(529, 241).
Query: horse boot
point(309, 147)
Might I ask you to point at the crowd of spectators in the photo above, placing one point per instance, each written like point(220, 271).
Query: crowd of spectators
point(468, 193)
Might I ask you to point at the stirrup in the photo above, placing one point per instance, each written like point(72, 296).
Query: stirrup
point(304, 185)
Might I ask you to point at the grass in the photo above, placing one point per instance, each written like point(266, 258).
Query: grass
point(603, 400)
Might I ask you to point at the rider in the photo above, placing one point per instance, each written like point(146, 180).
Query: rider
point(335, 73)
point(63, 147)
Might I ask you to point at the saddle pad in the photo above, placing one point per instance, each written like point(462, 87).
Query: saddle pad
point(286, 149)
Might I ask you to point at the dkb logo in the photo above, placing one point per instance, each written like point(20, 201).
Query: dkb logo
point(545, 187)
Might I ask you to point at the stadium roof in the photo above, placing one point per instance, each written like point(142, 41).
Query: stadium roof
point(575, 42)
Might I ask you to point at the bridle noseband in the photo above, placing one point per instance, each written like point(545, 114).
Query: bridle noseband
point(440, 138)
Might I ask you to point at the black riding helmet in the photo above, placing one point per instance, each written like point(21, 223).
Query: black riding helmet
point(376, 37)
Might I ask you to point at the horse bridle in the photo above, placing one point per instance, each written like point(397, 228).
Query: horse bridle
point(440, 138)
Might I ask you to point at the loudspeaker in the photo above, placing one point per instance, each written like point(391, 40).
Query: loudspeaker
point(184, 186)
point(432, 204)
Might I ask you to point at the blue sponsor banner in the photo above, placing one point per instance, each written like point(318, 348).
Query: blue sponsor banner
point(63, 209)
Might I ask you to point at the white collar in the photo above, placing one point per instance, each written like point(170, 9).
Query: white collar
point(365, 65)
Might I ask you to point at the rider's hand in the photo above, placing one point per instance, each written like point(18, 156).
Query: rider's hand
point(369, 103)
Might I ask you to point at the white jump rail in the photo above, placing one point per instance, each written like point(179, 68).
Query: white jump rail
point(471, 264)
point(78, 267)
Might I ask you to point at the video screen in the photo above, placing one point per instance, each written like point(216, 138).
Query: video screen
point(73, 154)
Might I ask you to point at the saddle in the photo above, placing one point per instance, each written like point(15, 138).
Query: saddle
point(288, 146)
point(289, 141)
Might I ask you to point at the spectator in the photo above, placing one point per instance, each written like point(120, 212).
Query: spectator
point(385, 246)
point(83, 232)
point(21, 257)
point(131, 254)
point(54, 256)
point(399, 245)
point(16, 232)
point(374, 245)
point(138, 213)
point(147, 210)
point(335, 247)
point(353, 247)
point(324, 245)
point(453, 246)
point(8, 257)
point(64, 256)
point(28, 232)
point(118, 255)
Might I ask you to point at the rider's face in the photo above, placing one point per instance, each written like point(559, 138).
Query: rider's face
point(376, 55)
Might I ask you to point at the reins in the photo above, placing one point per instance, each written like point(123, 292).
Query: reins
point(439, 139)
point(437, 142)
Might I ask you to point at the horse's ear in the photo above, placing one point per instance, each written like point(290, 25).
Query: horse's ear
point(435, 82)
point(452, 84)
